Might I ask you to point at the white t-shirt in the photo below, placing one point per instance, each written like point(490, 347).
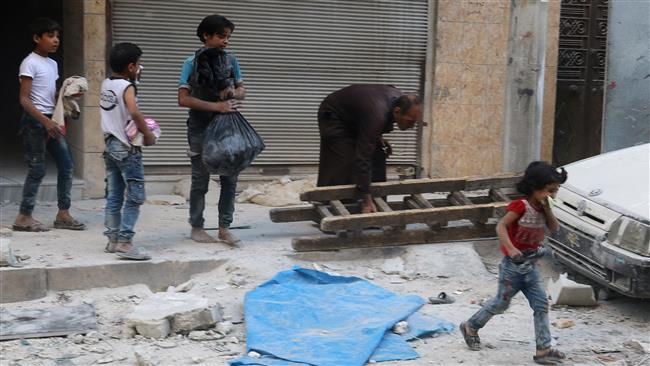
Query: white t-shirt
point(44, 73)
point(114, 113)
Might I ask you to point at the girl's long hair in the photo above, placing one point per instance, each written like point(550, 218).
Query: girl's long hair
point(539, 174)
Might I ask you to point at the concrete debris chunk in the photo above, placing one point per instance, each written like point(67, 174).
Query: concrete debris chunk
point(165, 199)
point(641, 347)
point(224, 327)
point(562, 323)
point(6, 232)
point(183, 287)
point(567, 292)
point(7, 256)
point(201, 335)
point(401, 327)
point(370, 274)
point(393, 266)
point(172, 312)
point(143, 358)
point(165, 344)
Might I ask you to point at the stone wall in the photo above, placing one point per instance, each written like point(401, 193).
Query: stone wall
point(466, 124)
point(85, 54)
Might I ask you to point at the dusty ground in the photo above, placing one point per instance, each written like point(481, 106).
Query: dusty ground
point(597, 337)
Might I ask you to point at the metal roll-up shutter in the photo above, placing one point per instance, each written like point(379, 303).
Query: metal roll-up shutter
point(292, 54)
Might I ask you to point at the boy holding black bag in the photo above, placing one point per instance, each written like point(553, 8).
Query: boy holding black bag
point(206, 99)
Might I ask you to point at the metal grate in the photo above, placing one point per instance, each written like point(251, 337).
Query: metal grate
point(292, 54)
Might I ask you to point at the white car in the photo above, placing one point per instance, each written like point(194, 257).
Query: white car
point(604, 214)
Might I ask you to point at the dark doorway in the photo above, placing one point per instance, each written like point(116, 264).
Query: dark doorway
point(17, 41)
point(580, 80)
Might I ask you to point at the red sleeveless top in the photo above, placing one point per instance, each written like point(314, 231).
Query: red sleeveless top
point(527, 233)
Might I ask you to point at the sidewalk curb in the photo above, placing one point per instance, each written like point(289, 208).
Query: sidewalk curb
point(22, 284)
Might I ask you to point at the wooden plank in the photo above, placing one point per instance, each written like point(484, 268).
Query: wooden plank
point(47, 322)
point(323, 211)
point(502, 181)
point(382, 206)
point(383, 189)
point(420, 200)
point(339, 208)
point(497, 195)
point(397, 238)
point(309, 212)
point(411, 204)
point(294, 213)
point(438, 214)
point(459, 199)
point(409, 186)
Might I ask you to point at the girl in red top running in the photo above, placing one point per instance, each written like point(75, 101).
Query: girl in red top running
point(521, 232)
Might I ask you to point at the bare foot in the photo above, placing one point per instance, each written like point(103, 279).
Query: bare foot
point(227, 237)
point(201, 236)
point(64, 215)
point(470, 331)
point(24, 220)
point(28, 223)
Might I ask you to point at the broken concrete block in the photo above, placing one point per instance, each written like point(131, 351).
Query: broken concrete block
point(196, 319)
point(567, 292)
point(155, 328)
point(172, 312)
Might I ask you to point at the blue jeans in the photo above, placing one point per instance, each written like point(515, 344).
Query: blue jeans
point(124, 172)
point(35, 142)
point(512, 279)
point(201, 179)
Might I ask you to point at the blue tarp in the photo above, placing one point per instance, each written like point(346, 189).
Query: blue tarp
point(305, 317)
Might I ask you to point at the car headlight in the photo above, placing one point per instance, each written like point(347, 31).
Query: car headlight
point(630, 234)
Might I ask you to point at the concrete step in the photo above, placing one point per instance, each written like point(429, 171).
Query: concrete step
point(11, 189)
point(22, 284)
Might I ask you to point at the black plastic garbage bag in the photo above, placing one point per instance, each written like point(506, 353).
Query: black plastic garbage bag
point(230, 144)
point(212, 75)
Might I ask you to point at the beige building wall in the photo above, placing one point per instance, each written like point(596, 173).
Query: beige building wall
point(550, 79)
point(464, 132)
point(85, 36)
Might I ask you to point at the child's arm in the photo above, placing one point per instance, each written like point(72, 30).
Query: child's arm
point(52, 127)
point(138, 118)
point(502, 232)
point(185, 99)
point(551, 220)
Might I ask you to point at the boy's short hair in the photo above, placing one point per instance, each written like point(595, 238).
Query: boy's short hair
point(212, 24)
point(42, 25)
point(123, 54)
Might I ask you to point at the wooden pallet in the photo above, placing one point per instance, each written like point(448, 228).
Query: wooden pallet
point(477, 199)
